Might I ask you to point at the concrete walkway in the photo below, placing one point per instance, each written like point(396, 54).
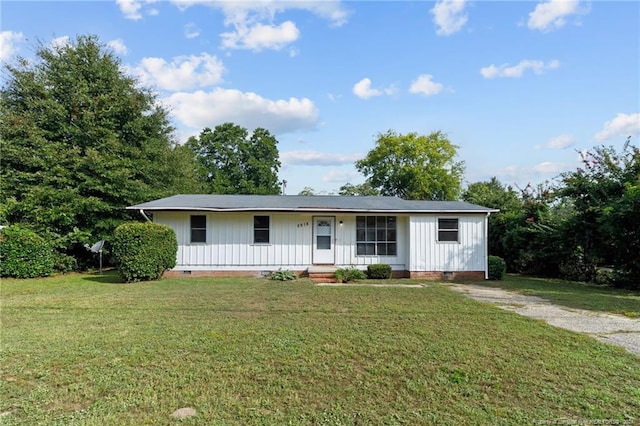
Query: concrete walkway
point(609, 328)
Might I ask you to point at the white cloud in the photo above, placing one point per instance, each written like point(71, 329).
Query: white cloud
point(622, 125)
point(260, 36)
point(518, 70)
point(559, 142)
point(253, 25)
point(315, 158)
point(363, 90)
point(553, 14)
point(191, 30)
point(130, 9)
point(183, 73)
point(60, 42)
point(8, 41)
point(549, 168)
point(449, 16)
point(425, 85)
point(523, 174)
point(118, 46)
point(207, 109)
point(339, 176)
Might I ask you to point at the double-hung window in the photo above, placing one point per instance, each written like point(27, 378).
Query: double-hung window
point(261, 229)
point(448, 230)
point(198, 229)
point(376, 235)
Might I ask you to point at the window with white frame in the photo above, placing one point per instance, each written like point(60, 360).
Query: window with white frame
point(448, 230)
point(376, 236)
point(198, 229)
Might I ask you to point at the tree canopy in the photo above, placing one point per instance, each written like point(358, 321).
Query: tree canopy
point(232, 162)
point(413, 166)
point(80, 141)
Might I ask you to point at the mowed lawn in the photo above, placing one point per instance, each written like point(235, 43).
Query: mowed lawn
point(578, 295)
point(84, 349)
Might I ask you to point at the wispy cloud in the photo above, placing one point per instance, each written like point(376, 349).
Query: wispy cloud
point(623, 125)
point(253, 23)
point(191, 30)
point(559, 142)
point(449, 16)
point(316, 158)
point(261, 36)
point(425, 85)
point(517, 71)
point(118, 46)
point(553, 14)
point(8, 42)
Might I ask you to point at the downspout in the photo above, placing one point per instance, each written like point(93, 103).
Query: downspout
point(144, 215)
point(486, 246)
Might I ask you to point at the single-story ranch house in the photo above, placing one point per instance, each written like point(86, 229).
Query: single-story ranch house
point(224, 235)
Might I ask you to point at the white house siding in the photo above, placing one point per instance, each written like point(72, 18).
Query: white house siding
point(230, 242)
point(427, 254)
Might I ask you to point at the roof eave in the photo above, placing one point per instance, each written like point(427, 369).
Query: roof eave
point(310, 210)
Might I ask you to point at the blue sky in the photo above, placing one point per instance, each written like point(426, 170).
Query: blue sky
point(519, 86)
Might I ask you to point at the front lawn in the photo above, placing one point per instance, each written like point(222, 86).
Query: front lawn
point(573, 294)
point(84, 349)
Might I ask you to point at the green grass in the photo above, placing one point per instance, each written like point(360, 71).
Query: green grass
point(573, 294)
point(85, 350)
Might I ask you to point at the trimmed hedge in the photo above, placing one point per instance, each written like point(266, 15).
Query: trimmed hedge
point(379, 271)
point(142, 251)
point(24, 254)
point(497, 268)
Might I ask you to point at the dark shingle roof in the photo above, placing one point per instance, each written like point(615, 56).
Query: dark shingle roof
point(316, 203)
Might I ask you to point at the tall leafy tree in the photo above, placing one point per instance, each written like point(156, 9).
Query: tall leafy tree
point(413, 166)
point(232, 162)
point(81, 140)
point(605, 196)
point(494, 194)
point(363, 189)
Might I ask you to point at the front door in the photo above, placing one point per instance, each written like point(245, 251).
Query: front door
point(323, 240)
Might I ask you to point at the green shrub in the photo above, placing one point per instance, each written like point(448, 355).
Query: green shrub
point(24, 254)
point(379, 271)
point(344, 275)
point(64, 263)
point(281, 275)
point(143, 250)
point(497, 268)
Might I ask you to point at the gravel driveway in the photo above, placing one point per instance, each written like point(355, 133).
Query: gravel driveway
point(609, 328)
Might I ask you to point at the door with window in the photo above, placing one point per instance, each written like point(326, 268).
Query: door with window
point(323, 240)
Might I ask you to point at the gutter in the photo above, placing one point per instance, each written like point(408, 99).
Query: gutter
point(144, 215)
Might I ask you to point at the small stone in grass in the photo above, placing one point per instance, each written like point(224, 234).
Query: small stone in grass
point(183, 413)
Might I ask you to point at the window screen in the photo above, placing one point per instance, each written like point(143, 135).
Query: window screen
point(376, 235)
point(198, 229)
point(261, 229)
point(448, 230)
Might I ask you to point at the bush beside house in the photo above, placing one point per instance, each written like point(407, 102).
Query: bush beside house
point(379, 271)
point(24, 254)
point(497, 268)
point(143, 250)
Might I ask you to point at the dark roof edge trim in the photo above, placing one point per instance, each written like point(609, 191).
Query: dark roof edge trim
point(311, 210)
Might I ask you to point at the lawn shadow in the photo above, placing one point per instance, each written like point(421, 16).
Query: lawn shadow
point(108, 277)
